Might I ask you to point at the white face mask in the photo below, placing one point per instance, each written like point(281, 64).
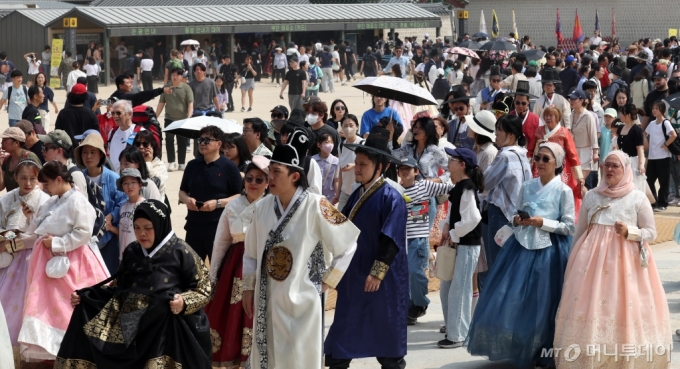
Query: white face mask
point(312, 118)
point(349, 131)
point(611, 76)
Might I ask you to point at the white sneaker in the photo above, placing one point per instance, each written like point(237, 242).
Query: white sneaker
point(172, 167)
point(278, 85)
point(182, 167)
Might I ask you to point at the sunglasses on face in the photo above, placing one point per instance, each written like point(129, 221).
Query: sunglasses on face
point(205, 140)
point(144, 144)
point(459, 108)
point(521, 103)
point(250, 179)
point(495, 80)
point(46, 148)
point(118, 113)
point(277, 116)
point(544, 158)
point(340, 108)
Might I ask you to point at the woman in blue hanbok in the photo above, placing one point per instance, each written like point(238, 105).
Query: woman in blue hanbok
point(515, 316)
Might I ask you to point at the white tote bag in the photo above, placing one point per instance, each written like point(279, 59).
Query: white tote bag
point(445, 263)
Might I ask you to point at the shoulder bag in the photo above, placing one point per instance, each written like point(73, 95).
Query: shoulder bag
point(674, 147)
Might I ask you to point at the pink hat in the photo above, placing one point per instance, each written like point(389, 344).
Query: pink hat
point(261, 163)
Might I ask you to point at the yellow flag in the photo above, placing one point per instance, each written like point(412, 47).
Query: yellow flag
point(495, 32)
point(514, 25)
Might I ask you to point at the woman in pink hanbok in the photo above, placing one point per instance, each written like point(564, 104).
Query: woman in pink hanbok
point(613, 303)
point(15, 254)
point(62, 227)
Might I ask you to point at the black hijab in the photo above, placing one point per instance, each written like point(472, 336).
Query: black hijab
point(157, 213)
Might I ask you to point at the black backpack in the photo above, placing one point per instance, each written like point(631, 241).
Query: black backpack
point(96, 199)
point(674, 148)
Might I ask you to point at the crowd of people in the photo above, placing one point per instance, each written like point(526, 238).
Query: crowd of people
point(538, 203)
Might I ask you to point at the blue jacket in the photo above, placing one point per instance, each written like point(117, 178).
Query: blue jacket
point(113, 198)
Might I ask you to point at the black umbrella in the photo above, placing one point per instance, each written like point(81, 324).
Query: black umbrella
point(472, 45)
point(498, 46)
point(533, 54)
point(398, 89)
point(480, 35)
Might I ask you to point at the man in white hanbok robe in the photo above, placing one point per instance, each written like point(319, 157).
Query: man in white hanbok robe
point(287, 328)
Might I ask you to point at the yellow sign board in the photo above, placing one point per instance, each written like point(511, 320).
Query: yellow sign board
point(57, 48)
point(672, 32)
point(70, 22)
point(463, 14)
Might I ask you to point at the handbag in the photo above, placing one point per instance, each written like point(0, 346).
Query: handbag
point(445, 263)
point(242, 80)
point(502, 235)
point(58, 266)
point(335, 67)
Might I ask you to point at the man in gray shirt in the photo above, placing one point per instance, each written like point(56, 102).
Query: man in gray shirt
point(205, 91)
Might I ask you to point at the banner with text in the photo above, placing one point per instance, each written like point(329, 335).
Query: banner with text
point(57, 48)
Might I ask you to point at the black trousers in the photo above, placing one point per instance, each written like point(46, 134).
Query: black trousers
point(278, 73)
point(170, 145)
point(147, 80)
point(659, 169)
point(230, 88)
point(200, 236)
point(385, 362)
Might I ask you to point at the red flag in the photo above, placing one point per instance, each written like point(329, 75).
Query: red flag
point(558, 29)
point(578, 31)
point(613, 24)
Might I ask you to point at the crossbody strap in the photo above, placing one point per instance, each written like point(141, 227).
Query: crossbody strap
point(521, 165)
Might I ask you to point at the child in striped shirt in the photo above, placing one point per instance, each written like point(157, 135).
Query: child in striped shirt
point(418, 194)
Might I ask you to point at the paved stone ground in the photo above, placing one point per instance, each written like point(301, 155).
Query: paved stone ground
point(423, 352)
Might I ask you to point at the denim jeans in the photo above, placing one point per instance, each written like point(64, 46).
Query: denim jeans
point(13, 122)
point(432, 214)
point(674, 182)
point(496, 221)
point(418, 256)
point(456, 294)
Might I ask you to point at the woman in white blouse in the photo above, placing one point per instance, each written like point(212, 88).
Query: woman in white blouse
point(92, 71)
point(226, 315)
point(65, 258)
point(146, 65)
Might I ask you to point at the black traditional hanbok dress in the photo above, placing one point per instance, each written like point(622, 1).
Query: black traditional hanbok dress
point(130, 325)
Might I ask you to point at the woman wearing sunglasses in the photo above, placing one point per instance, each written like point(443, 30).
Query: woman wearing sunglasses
point(523, 288)
point(338, 110)
point(148, 146)
point(555, 132)
point(228, 320)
